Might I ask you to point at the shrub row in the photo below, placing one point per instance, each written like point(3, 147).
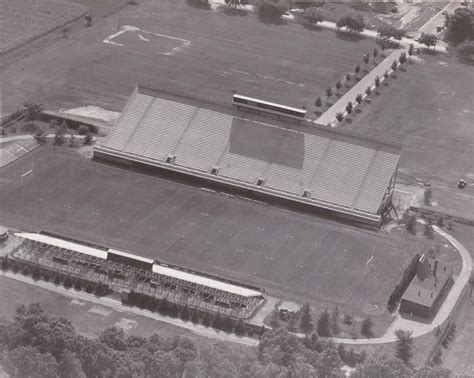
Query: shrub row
point(217, 321)
point(38, 272)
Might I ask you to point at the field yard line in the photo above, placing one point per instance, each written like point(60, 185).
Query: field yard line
point(118, 306)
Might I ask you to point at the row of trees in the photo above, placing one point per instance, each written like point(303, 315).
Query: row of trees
point(327, 324)
point(58, 278)
point(36, 345)
point(217, 321)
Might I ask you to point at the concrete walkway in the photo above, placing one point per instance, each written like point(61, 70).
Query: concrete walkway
point(328, 118)
point(118, 306)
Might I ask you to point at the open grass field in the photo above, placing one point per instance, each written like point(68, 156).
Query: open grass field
point(22, 21)
point(289, 254)
point(428, 108)
point(180, 48)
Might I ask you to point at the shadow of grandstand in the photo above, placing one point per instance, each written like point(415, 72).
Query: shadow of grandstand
point(266, 143)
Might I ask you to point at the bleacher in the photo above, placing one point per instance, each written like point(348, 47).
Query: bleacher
point(340, 172)
point(15, 150)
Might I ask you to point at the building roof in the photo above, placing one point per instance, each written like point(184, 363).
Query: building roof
point(339, 171)
point(60, 243)
point(131, 256)
point(205, 281)
point(289, 306)
point(431, 278)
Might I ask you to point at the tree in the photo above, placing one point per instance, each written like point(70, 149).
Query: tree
point(382, 366)
point(377, 81)
point(59, 136)
point(274, 322)
point(335, 328)
point(239, 329)
point(465, 50)
point(306, 324)
point(312, 15)
point(68, 282)
point(195, 316)
point(324, 324)
point(114, 338)
point(70, 366)
point(217, 322)
point(348, 77)
point(440, 220)
point(357, 69)
point(33, 110)
point(270, 12)
point(40, 136)
point(227, 324)
point(366, 59)
point(403, 349)
point(411, 50)
point(57, 280)
point(88, 139)
point(36, 273)
point(461, 25)
point(368, 90)
point(349, 107)
point(388, 32)
point(206, 320)
point(359, 98)
point(236, 3)
point(184, 314)
point(385, 74)
point(394, 65)
point(318, 102)
point(366, 328)
point(354, 24)
point(429, 233)
point(428, 196)
point(78, 284)
point(338, 85)
point(71, 140)
point(403, 58)
point(339, 116)
point(27, 361)
point(432, 372)
point(428, 39)
point(329, 92)
point(375, 53)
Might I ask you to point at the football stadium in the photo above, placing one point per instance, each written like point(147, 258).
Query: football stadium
point(300, 165)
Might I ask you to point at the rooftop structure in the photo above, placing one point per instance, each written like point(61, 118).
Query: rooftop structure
point(307, 165)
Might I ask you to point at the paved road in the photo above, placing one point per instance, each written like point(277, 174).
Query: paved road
point(438, 19)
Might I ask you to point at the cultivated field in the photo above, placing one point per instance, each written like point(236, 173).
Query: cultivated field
point(428, 109)
point(22, 21)
point(287, 253)
point(179, 48)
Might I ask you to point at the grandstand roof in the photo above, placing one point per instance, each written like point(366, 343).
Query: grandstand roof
point(41, 238)
point(131, 256)
point(339, 171)
point(205, 281)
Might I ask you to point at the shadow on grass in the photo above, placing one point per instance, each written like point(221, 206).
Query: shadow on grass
point(268, 20)
point(199, 5)
point(358, 110)
point(350, 37)
point(402, 69)
point(311, 27)
point(394, 76)
point(329, 104)
point(235, 12)
point(318, 112)
point(348, 120)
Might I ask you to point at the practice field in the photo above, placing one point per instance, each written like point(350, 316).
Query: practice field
point(429, 109)
point(22, 21)
point(284, 252)
point(178, 48)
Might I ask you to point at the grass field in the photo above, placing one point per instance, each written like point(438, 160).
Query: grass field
point(285, 63)
point(22, 21)
point(289, 254)
point(428, 108)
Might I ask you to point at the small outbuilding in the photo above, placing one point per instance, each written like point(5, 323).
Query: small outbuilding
point(429, 287)
point(286, 309)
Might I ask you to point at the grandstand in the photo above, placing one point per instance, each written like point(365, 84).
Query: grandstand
point(304, 166)
point(9, 152)
point(126, 272)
